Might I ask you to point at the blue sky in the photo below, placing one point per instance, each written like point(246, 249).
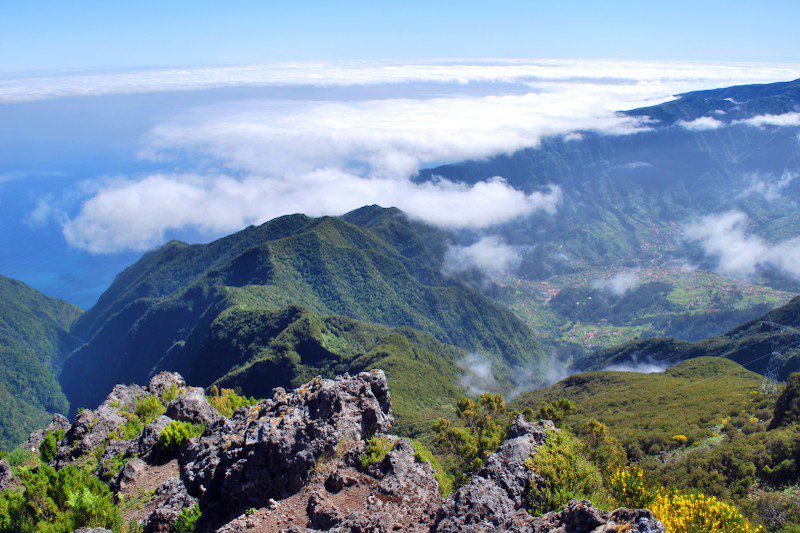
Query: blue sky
point(43, 35)
point(126, 124)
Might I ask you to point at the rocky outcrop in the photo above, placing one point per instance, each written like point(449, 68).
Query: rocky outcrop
point(495, 498)
point(581, 516)
point(192, 406)
point(59, 422)
point(269, 450)
point(173, 498)
point(5, 474)
point(292, 463)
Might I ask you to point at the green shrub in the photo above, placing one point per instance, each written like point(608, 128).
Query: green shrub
point(175, 435)
point(18, 456)
point(187, 519)
point(560, 472)
point(49, 446)
point(112, 466)
point(172, 393)
point(62, 500)
point(133, 428)
point(376, 450)
point(557, 411)
point(603, 450)
point(483, 427)
point(423, 455)
point(148, 409)
point(226, 401)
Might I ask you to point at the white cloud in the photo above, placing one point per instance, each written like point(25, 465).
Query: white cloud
point(478, 376)
point(701, 124)
point(490, 255)
point(135, 214)
point(645, 367)
point(392, 137)
point(636, 164)
point(783, 121)
point(248, 161)
point(740, 254)
point(619, 283)
point(328, 158)
point(770, 189)
point(679, 76)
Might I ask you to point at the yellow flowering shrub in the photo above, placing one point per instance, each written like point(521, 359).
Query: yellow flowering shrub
point(680, 440)
point(697, 513)
point(679, 512)
point(629, 488)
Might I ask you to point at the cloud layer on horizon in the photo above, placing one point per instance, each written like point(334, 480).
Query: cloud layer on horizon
point(245, 162)
point(256, 160)
point(680, 75)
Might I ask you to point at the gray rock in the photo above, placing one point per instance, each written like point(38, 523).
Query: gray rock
point(172, 498)
point(581, 516)
point(88, 432)
point(124, 397)
point(496, 494)
point(35, 439)
point(130, 473)
point(405, 497)
point(506, 467)
point(496, 497)
point(193, 407)
point(269, 450)
point(115, 450)
point(165, 382)
point(5, 474)
point(147, 444)
point(481, 505)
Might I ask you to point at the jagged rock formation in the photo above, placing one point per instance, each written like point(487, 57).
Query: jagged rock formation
point(292, 463)
point(5, 474)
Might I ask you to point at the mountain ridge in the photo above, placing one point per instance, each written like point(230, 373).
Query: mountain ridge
point(385, 271)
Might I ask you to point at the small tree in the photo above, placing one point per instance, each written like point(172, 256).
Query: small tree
point(557, 411)
point(483, 427)
point(603, 449)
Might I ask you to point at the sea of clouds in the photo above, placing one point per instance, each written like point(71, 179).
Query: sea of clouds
point(245, 161)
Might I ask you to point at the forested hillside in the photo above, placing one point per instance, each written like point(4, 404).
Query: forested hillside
point(294, 297)
point(626, 199)
point(768, 343)
point(34, 339)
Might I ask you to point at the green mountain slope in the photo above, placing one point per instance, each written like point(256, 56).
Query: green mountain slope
point(581, 311)
point(34, 339)
point(372, 266)
point(645, 411)
point(257, 350)
point(626, 199)
point(703, 425)
point(774, 336)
